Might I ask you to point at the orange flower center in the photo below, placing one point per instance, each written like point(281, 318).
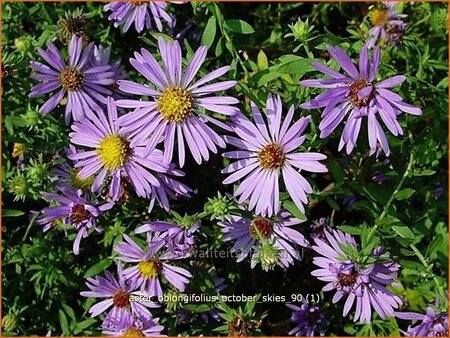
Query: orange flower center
point(348, 280)
point(71, 79)
point(355, 87)
point(271, 156)
point(261, 226)
point(79, 213)
point(121, 299)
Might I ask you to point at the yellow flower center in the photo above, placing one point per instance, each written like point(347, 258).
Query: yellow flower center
point(175, 104)
point(378, 16)
point(71, 79)
point(261, 226)
point(132, 332)
point(355, 87)
point(114, 151)
point(150, 269)
point(80, 183)
point(271, 156)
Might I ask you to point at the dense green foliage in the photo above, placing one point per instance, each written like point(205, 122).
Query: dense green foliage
point(406, 211)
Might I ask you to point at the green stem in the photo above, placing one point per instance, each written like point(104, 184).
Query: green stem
point(228, 39)
point(424, 262)
point(307, 50)
point(391, 199)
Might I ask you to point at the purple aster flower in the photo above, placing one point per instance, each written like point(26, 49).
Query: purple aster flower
point(132, 327)
point(308, 319)
point(176, 238)
point(388, 24)
point(176, 113)
point(74, 210)
point(250, 234)
point(265, 154)
point(124, 299)
point(142, 14)
point(151, 264)
point(433, 324)
point(116, 155)
point(357, 95)
point(365, 284)
point(84, 84)
point(101, 57)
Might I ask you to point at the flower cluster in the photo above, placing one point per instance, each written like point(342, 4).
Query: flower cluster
point(130, 139)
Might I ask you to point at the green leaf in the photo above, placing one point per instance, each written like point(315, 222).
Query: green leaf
point(210, 32)
point(262, 61)
point(404, 194)
point(165, 37)
point(297, 67)
point(352, 230)
point(98, 268)
point(403, 232)
point(63, 322)
point(292, 208)
point(423, 172)
point(12, 213)
point(238, 26)
point(84, 325)
point(434, 245)
point(332, 203)
point(69, 311)
point(267, 75)
point(337, 172)
point(198, 308)
point(219, 47)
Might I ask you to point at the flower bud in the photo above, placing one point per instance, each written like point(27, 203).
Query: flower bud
point(301, 30)
point(24, 44)
point(9, 322)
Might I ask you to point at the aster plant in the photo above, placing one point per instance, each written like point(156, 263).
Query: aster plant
point(144, 14)
point(102, 57)
point(174, 113)
point(308, 320)
point(267, 152)
point(434, 323)
point(83, 84)
point(74, 210)
point(151, 266)
point(270, 241)
point(356, 95)
point(358, 277)
point(388, 23)
point(133, 327)
point(117, 293)
point(177, 238)
point(116, 156)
